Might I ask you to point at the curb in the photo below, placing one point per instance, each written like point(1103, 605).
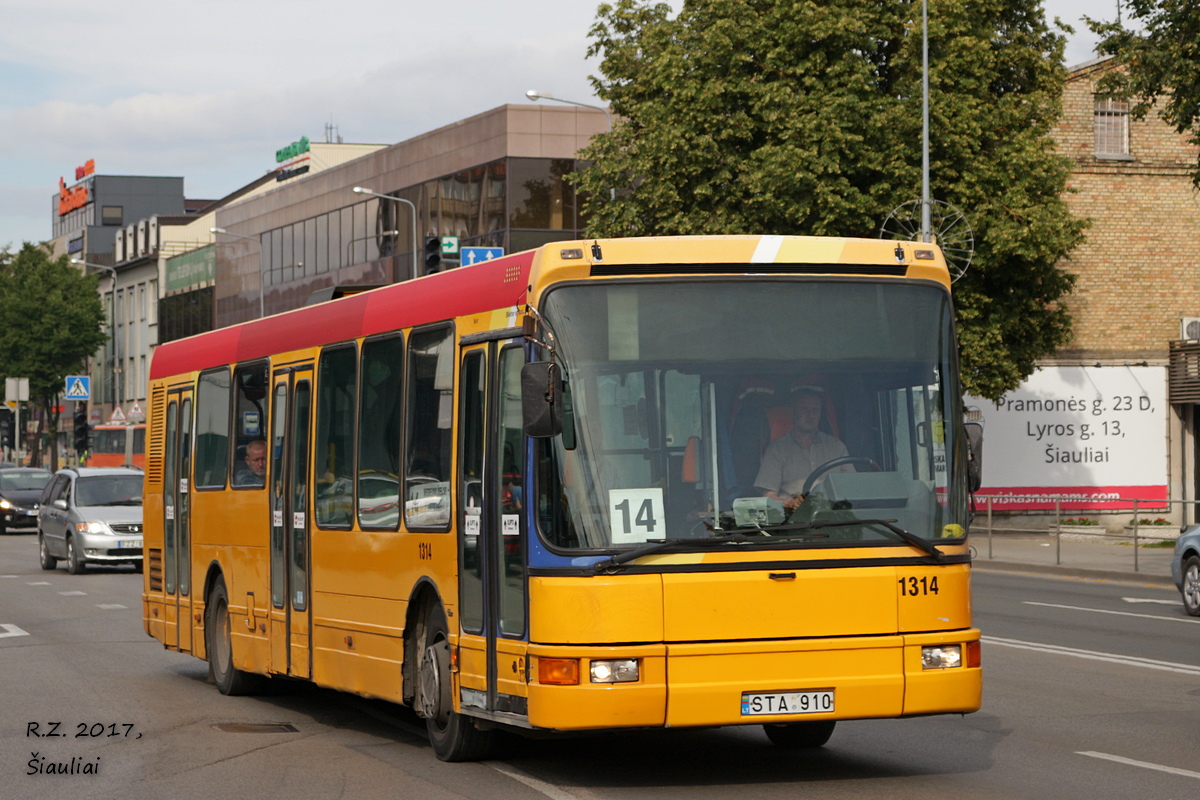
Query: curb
point(1073, 572)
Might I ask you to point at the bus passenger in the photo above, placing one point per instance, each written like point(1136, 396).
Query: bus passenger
point(252, 471)
point(790, 459)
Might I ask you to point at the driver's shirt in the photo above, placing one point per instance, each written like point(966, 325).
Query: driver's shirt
point(787, 463)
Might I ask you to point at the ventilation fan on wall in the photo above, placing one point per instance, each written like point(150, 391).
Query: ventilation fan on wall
point(1189, 328)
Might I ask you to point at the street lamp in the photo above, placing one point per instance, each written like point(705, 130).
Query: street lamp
point(262, 285)
point(535, 95)
point(112, 320)
point(394, 199)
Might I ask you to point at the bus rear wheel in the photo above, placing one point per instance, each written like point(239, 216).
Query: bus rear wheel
point(798, 735)
point(218, 641)
point(454, 737)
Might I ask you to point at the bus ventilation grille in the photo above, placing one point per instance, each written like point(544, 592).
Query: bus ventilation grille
point(613, 270)
point(155, 569)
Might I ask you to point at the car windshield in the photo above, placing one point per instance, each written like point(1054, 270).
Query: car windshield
point(687, 403)
point(109, 490)
point(23, 480)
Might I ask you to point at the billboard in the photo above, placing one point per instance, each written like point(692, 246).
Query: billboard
point(1095, 436)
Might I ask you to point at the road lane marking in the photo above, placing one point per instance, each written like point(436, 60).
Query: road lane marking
point(39, 583)
point(73, 594)
point(110, 606)
point(1093, 655)
point(1143, 764)
point(11, 630)
point(548, 789)
point(1150, 600)
point(1115, 613)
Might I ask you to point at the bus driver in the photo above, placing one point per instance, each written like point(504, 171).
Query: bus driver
point(790, 459)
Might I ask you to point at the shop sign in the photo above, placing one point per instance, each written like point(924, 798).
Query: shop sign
point(295, 172)
point(71, 199)
point(85, 170)
point(1095, 438)
point(292, 150)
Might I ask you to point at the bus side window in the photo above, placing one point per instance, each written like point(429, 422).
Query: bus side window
point(212, 429)
point(430, 412)
point(337, 385)
point(380, 401)
point(250, 413)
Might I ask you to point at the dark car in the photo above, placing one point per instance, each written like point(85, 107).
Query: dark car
point(20, 490)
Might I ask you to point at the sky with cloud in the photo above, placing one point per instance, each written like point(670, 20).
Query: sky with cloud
point(210, 90)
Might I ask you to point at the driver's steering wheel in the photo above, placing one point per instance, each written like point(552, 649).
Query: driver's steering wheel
point(834, 463)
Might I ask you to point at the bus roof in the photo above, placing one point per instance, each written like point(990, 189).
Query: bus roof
point(504, 282)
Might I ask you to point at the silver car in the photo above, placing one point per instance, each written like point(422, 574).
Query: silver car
point(91, 515)
point(1185, 569)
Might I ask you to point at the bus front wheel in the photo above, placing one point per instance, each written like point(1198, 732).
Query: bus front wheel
point(799, 735)
point(453, 736)
point(219, 643)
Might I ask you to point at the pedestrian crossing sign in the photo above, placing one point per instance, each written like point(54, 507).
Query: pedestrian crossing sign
point(79, 387)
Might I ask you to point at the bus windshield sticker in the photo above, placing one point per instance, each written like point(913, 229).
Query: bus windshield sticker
point(510, 524)
point(635, 515)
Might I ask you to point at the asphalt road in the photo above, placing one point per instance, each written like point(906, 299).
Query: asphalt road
point(1092, 690)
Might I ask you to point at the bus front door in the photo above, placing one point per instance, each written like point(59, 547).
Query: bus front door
point(291, 629)
point(491, 534)
point(177, 556)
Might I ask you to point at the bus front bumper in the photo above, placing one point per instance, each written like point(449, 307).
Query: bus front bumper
point(739, 683)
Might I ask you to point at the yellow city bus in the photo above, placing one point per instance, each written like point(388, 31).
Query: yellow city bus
point(525, 494)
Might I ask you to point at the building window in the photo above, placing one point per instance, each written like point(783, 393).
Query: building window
point(112, 215)
point(1111, 123)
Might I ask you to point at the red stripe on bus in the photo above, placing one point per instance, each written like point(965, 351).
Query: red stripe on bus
point(495, 284)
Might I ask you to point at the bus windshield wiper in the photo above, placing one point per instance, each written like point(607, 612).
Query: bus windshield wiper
point(913, 539)
point(610, 564)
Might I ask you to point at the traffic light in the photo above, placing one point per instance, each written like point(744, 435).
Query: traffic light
point(83, 434)
point(8, 432)
point(433, 254)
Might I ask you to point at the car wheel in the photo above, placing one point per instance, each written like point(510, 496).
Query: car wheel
point(1191, 585)
point(47, 561)
point(75, 563)
point(219, 642)
point(798, 735)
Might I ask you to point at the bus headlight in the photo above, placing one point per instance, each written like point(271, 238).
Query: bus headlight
point(941, 656)
point(623, 670)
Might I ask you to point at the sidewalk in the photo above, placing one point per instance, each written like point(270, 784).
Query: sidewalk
point(1103, 559)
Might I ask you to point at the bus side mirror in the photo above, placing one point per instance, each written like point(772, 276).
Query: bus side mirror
point(974, 431)
point(542, 399)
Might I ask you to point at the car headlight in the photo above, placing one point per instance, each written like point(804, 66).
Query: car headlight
point(93, 527)
point(7, 506)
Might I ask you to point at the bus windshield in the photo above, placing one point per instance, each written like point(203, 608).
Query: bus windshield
point(820, 412)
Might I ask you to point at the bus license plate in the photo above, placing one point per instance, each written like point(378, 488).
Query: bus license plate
point(129, 544)
point(815, 702)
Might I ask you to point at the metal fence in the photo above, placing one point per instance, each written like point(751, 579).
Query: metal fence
point(1136, 534)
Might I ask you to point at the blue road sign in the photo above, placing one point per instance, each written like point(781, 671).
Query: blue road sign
point(474, 255)
point(79, 387)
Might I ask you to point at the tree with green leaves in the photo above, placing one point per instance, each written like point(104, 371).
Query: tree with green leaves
point(51, 321)
point(1160, 58)
point(763, 116)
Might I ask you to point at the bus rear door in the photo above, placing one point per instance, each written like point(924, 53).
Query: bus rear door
point(177, 555)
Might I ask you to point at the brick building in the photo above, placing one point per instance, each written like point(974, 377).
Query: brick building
point(1108, 418)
